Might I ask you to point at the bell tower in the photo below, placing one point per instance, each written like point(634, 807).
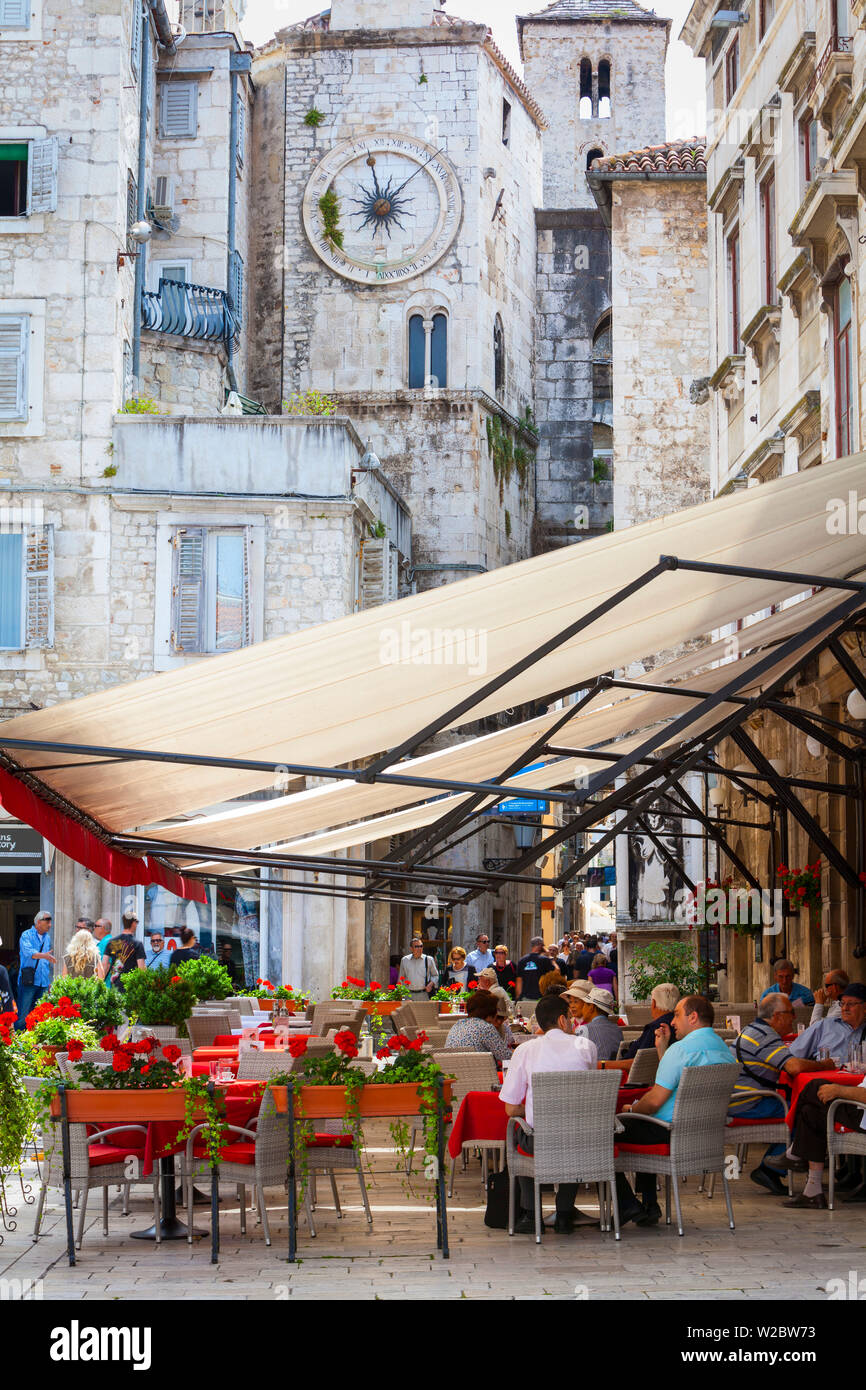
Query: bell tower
point(597, 69)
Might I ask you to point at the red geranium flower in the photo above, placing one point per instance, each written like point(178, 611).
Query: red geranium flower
point(148, 1066)
point(109, 1042)
point(398, 1042)
point(297, 1046)
point(383, 1053)
point(171, 1052)
point(74, 1049)
point(422, 1037)
point(175, 979)
point(415, 1046)
point(374, 984)
point(121, 1061)
point(472, 984)
point(346, 1043)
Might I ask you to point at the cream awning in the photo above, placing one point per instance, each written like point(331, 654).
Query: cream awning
point(329, 695)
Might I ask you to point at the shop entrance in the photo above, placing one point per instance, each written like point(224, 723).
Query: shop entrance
point(19, 904)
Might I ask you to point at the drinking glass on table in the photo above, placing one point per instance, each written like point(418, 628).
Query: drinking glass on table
point(823, 1054)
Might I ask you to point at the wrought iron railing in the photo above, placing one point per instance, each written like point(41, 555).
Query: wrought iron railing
point(192, 311)
point(836, 45)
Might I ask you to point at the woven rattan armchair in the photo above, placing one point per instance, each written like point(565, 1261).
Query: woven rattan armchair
point(743, 1131)
point(96, 1161)
point(693, 1141)
point(256, 1158)
point(337, 1014)
point(470, 1071)
point(259, 1066)
point(643, 1068)
point(574, 1115)
point(854, 1142)
point(203, 1028)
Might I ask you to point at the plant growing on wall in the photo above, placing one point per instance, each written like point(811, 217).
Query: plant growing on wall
point(509, 456)
point(329, 207)
point(140, 405)
point(309, 403)
point(600, 470)
point(665, 962)
point(314, 118)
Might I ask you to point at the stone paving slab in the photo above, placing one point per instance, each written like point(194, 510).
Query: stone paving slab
point(773, 1255)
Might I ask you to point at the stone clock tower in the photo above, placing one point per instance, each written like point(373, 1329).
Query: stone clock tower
point(395, 266)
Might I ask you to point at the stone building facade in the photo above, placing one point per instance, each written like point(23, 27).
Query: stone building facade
point(787, 103)
point(598, 71)
point(654, 203)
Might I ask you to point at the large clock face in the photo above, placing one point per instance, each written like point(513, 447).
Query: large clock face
point(392, 207)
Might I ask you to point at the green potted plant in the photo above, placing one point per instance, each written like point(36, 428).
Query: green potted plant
point(209, 979)
point(665, 962)
point(51, 1027)
point(159, 997)
point(99, 1006)
point(268, 995)
point(16, 1111)
point(376, 998)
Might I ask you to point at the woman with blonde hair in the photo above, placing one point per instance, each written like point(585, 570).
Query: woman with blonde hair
point(82, 959)
point(457, 972)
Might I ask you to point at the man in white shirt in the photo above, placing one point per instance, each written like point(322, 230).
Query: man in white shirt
point(556, 1050)
point(419, 970)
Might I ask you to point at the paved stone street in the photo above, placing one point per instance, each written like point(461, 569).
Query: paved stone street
point(773, 1255)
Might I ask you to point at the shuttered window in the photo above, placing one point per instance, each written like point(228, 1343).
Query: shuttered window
point(178, 115)
point(236, 288)
point(14, 339)
point(135, 39)
point(379, 572)
point(27, 588)
point(241, 129)
point(211, 590)
point(42, 195)
point(14, 14)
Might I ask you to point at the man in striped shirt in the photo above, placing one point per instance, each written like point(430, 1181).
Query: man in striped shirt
point(763, 1057)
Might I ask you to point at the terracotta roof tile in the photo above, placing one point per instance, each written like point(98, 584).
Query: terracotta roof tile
point(669, 157)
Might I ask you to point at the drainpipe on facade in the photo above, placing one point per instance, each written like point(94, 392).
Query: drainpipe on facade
point(165, 38)
point(238, 63)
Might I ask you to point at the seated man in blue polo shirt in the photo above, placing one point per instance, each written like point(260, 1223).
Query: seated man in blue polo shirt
point(784, 977)
point(696, 1046)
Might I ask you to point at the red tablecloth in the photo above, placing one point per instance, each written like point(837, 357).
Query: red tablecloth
point(481, 1118)
point(242, 1099)
point(831, 1076)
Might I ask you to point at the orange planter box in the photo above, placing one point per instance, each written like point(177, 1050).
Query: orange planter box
point(86, 1107)
point(329, 1102)
point(382, 1007)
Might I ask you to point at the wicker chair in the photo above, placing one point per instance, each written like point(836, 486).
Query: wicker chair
point(744, 1131)
point(256, 1158)
point(853, 1142)
point(332, 1152)
point(203, 1028)
point(258, 1066)
point(470, 1071)
point(95, 1162)
point(337, 1015)
point(694, 1141)
point(575, 1123)
point(644, 1067)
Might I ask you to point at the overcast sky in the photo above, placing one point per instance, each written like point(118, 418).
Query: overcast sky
point(685, 74)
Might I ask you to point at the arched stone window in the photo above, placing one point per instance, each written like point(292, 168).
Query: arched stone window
point(584, 109)
point(604, 90)
point(498, 355)
point(428, 350)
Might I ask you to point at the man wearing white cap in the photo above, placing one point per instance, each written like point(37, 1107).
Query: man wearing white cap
point(598, 1012)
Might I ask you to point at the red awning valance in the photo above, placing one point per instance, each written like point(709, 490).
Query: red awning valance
point(80, 844)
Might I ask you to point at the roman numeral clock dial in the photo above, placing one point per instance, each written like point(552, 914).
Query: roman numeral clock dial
point(382, 209)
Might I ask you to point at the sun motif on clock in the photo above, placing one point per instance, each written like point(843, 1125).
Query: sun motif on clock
point(397, 204)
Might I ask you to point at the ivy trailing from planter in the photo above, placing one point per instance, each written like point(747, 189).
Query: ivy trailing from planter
point(329, 207)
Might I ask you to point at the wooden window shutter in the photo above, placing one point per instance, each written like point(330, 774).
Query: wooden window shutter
point(14, 14)
point(14, 337)
point(135, 40)
point(188, 590)
point(248, 607)
point(241, 129)
point(42, 175)
point(39, 586)
point(379, 563)
point(179, 108)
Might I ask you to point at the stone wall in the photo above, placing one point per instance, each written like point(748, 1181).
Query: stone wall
point(573, 296)
point(182, 375)
point(661, 440)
